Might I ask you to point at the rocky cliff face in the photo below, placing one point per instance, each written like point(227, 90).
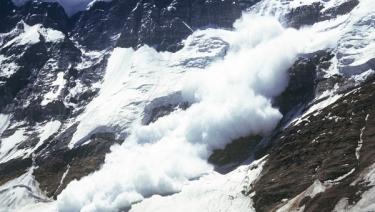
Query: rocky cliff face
point(319, 157)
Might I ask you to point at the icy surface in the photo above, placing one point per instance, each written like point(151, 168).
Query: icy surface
point(356, 48)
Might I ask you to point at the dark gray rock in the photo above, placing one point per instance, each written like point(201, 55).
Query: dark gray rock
point(8, 17)
point(320, 148)
point(77, 162)
point(98, 27)
point(13, 169)
point(164, 25)
point(50, 15)
point(310, 14)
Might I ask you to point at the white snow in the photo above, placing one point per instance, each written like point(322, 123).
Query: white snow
point(163, 156)
point(51, 35)
point(229, 77)
point(4, 122)
point(356, 46)
point(327, 4)
point(38, 207)
point(333, 69)
point(30, 36)
point(49, 129)
point(342, 205)
point(20, 192)
point(7, 67)
point(361, 77)
point(212, 192)
point(294, 204)
point(8, 147)
point(89, 58)
point(366, 203)
point(134, 79)
point(360, 143)
point(44, 133)
point(63, 177)
point(327, 98)
point(351, 37)
point(131, 77)
point(340, 178)
point(56, 88)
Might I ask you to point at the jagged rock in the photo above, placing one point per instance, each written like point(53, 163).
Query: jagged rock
point(166, 24)
point(234, 153)
point(310, 14)
point(97, 27)
point(13, 86)
point(38, 113)
point(49, 14)
point(165, 110)
point(8, 17)
point(304, 15)
point(13, 169)
point(321, 147)
point(59, 170)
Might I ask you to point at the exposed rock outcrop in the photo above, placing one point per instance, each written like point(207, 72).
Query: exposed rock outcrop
point(158, 23)
point(315, 12)
point(332, 146)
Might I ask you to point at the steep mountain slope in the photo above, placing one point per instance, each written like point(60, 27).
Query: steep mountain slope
point(109, 108)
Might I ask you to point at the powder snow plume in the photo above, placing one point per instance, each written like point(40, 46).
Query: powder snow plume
point(230, 98)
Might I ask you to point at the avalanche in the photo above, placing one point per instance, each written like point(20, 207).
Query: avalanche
point(230, 98)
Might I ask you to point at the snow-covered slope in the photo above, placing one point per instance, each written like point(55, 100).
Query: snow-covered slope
point(65, 104)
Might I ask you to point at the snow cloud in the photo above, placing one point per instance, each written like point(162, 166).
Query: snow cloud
point(71, 6)
point(230, 98)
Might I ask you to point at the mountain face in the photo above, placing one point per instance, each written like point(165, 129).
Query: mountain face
point(187, 105)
